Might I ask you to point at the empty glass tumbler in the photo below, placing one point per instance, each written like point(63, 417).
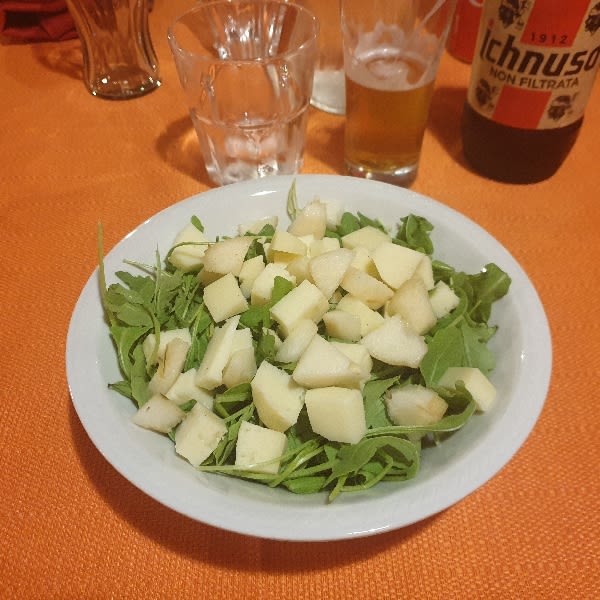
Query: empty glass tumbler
point(119, 61)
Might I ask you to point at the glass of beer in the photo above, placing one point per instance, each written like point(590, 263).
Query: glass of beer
point(392, 50)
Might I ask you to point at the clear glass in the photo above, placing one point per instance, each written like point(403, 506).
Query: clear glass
point(328, 88)
point(392, 50)
point(119, 61)
point(247, 72)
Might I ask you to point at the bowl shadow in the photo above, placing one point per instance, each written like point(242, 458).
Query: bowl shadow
point(207, 544)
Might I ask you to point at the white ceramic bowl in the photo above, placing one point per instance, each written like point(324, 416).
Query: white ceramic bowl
point(448, 473)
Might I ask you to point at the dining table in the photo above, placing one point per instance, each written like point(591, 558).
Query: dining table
point(71, 526)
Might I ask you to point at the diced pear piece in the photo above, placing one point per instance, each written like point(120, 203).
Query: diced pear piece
point(369, 318)
point(223, 298)
point(227, 256)
point(336, 413)
point(334, 211)
point(361, 285)
point(342, 325)
point(298, 268)
point(158, 414)
point(395, 343)
point(256, 445)
point(205, 277)
point(165, 337)
point(306, 301)
point(414, 405)
point(241, 366)
point(323, 365)
point(368, 237)
point(250, 270)
point(363, 262)
point(327, 244)
point(199, 434)
point(288, 243)
point(478, 385)
point(328, 269)
point(255, 227)
point(424, 271)
point(311, 220)
point(189, 256)
point(185, 389)
point(395, 264)
point(443, 299)
point(411, 302)
point(262, 287)
point(277, 397)
point(170, 366)
point(218, 351)
point(297, 341)
point(358, 354)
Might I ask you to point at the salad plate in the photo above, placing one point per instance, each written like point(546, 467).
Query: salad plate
point(449, 471)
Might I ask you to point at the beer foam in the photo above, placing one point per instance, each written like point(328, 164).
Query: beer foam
point(389, 59)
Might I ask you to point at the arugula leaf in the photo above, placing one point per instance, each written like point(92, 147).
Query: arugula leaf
point(414, 233)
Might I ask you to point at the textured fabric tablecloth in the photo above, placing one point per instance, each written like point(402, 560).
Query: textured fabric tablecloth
point(72, 527)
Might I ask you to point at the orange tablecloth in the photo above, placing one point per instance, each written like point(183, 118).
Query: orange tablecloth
point(71, 527)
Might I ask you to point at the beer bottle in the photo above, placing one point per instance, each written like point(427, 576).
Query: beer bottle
point(532, 74)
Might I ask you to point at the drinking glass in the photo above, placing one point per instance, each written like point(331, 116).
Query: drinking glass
point(392, 50)
point(119, 61)
point(246, 68)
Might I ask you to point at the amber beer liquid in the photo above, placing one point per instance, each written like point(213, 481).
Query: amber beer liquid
point(533, 71)
point(386, 115)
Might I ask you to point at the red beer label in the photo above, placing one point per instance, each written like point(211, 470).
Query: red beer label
point(464, 29)
point(535, 61)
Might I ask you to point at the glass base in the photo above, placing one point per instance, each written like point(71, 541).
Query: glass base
point(403, 176)
point(128, 86)
point(328, 92)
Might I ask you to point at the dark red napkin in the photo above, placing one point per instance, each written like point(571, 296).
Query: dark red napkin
point(36, 20)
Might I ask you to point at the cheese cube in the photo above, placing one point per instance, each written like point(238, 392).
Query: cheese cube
point(262, 288)
point(478, 385)
point(338, 414)
point(218, 351)
point(223, 298)
point(256, 445)
point(278, 399)
point(199, 434)
point(255, 227)
point(250, 270)
point(305, 301)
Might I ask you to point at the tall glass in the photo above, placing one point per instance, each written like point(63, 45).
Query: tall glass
point(246, 68)
point(119, 61)
point(328, 89)
point(392, 50)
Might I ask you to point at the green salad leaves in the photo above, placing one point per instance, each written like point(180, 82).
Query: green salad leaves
point(160, 298)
